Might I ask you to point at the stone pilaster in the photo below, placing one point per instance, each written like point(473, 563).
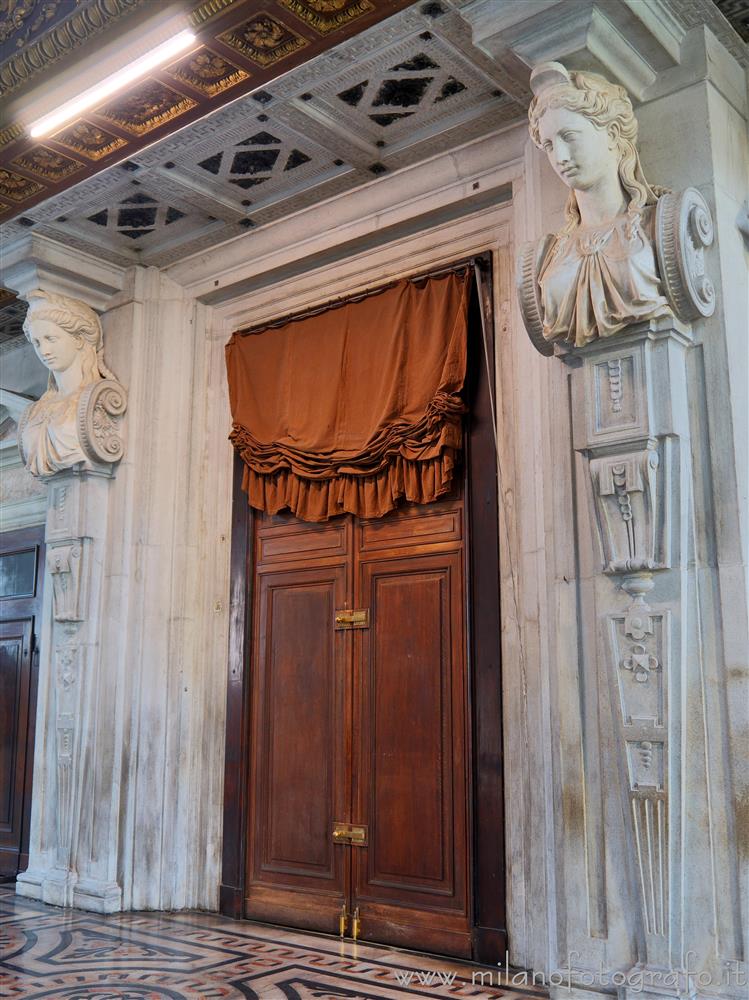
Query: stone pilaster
point(74, 690)
point(631, 428)
point(74, 816)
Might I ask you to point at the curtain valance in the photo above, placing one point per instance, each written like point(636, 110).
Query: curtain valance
point(354, 408)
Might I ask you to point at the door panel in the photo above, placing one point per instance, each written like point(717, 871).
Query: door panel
point(366, 726)
point(299, 751)
point(410, 771)
point(15, 690)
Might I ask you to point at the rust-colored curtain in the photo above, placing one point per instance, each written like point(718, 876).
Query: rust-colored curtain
point(354, 408)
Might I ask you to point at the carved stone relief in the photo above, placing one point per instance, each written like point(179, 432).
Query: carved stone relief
point(625, 491)
point(68, 668)
point(67, 568)
point(628, 251)
point(77, 420)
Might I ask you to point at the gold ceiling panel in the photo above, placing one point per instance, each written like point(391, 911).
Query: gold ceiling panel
point(146, 107)
point(89, 140)
point(328, 15)
point(16, 187)
point(43, 162)
point(207, 71)
point(264, 39)
point(10, 134)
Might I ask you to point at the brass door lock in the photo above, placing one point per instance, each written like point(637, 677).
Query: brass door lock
point(346, 619)
point(347, 833)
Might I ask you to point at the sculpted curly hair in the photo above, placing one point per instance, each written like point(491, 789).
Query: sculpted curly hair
point(76, 319)
point(608, 107)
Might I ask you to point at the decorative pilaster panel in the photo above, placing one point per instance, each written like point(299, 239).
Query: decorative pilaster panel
point(640, 656)
point(624, 487)
point(631, 427)
point(76, 536)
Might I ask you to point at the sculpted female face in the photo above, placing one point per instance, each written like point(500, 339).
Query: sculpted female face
point(581, 153)
point(54, 347)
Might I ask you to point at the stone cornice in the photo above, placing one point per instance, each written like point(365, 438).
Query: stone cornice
point(33, 261)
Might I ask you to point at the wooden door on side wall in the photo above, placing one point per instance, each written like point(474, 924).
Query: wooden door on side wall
point(359, 773)
point(21, 575)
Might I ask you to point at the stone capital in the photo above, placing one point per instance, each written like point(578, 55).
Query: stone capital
point(628, 43)
point(33, 261)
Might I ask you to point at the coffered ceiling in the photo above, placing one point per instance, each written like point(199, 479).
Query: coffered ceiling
point(241, 46)
point(283, 104)
point(391, 96)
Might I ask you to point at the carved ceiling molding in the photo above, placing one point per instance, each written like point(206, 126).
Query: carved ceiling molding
point(736, 13)
point(41, 33)
point(727, 19)
point(241, 48)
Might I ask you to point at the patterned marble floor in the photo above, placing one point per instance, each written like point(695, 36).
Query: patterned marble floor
point(70, 955)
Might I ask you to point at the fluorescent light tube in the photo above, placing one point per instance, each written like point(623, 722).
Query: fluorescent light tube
point(128, 74)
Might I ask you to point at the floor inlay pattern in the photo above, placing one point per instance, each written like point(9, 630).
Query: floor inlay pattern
point(72, 955)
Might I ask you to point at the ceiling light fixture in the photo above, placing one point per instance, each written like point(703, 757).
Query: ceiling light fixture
point(111, 84)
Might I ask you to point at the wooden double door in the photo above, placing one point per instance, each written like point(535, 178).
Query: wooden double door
point(358, 776)
point(21, 576)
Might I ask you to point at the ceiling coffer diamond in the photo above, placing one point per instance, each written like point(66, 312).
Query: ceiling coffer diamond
point(419, 63)
point(136, 216)
point(412, 83)
point(254, 160)
point(402, 93)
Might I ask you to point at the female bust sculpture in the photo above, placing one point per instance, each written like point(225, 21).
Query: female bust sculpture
point(604, 269)
point(73, 421)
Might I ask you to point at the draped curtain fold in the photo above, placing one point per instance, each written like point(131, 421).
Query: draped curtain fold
point(357, 407)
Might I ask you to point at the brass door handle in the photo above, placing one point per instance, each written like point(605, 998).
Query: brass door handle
point(342, 921)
